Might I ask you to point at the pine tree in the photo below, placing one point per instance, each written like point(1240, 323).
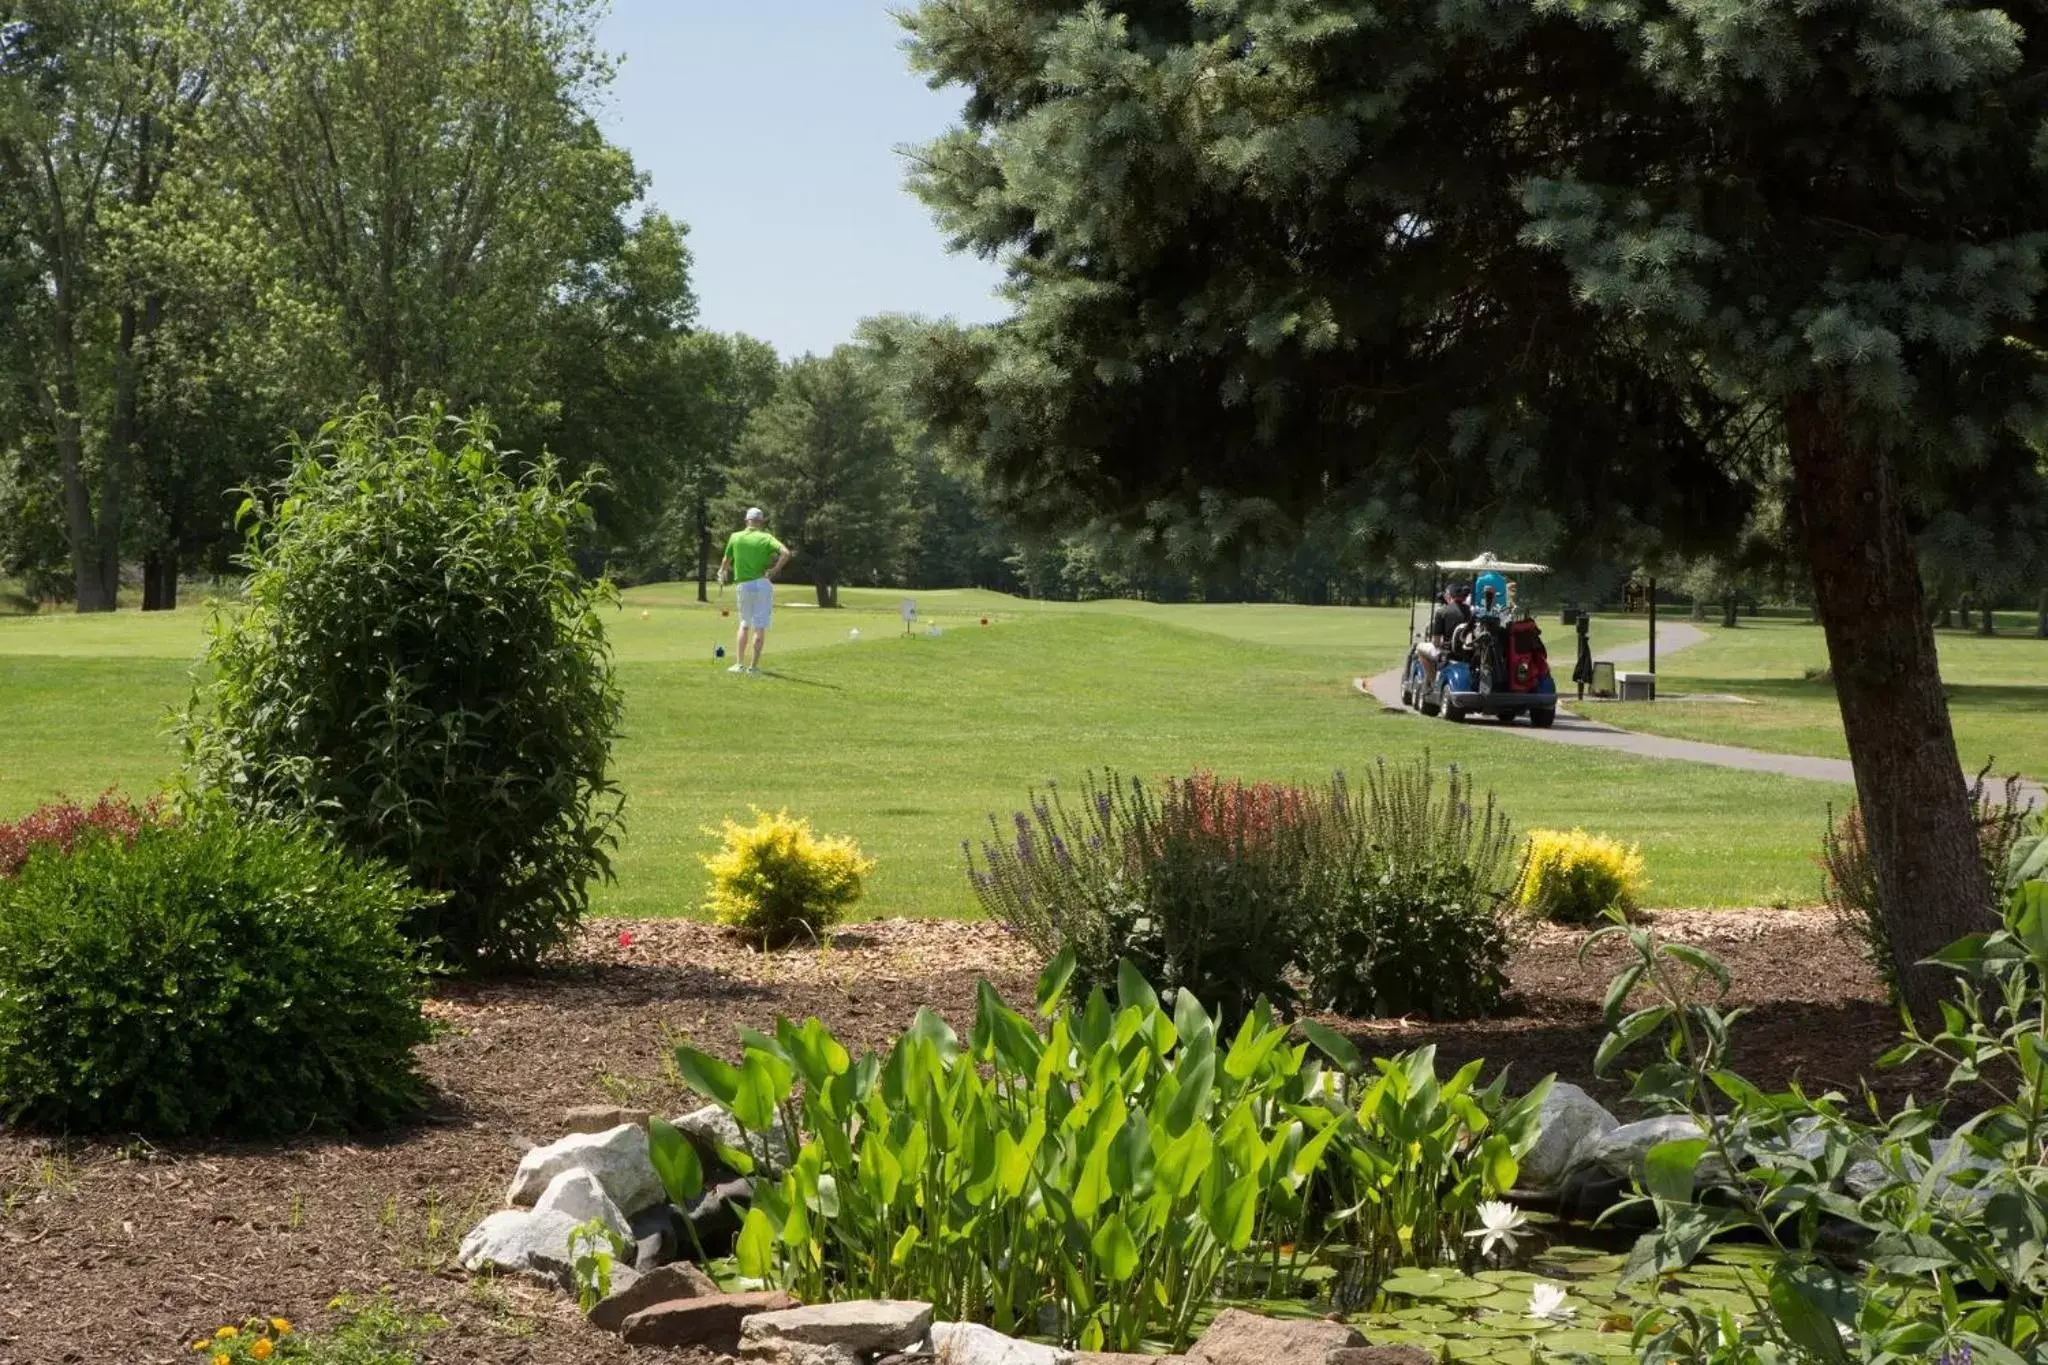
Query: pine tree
point(1452, 262)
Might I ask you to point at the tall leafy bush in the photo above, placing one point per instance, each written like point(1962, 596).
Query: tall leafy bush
point(213, 975)
point(419, 665)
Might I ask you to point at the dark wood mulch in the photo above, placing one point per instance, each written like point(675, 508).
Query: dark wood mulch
point(124, 1251)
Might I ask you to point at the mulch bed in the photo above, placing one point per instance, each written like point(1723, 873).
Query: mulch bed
point(127, 1252)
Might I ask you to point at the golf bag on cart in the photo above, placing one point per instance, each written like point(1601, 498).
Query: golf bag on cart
point(1528, 662)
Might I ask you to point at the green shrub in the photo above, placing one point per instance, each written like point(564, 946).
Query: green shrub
point(778, 882)
point(1572, 877)
point(419, 665)
point(1390, 903)
point(1415, 915)
point(210, 975)
point(1949, 1230)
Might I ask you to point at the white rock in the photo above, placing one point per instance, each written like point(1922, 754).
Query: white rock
point(712, 1127)
point(970, 1343)
point(855, 1324)
point(617, 1157)
point(1568, 1125)
point(518, 1242)
point(1621, 1150)
point(577, 1193)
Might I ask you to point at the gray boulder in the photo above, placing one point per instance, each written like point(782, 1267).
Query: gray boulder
point(970, 1343)
point(1621, 1150)
point(1568, 1125)
point(576, 1194)
point(1236, 1337)
point(519, 1242)
point(712, 1127)
point(857, 1326)
point(617, 1157)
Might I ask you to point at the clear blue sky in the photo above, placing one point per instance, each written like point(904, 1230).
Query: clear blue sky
point(770, 127)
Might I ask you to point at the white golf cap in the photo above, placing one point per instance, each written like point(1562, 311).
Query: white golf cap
point(756, 514)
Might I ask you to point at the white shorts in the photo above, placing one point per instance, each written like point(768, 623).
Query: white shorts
point(756, 598)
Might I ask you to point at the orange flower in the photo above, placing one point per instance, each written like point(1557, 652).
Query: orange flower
point(227, 1333)
point(281, 1326)
point(221, 1358)
point(262, 1349)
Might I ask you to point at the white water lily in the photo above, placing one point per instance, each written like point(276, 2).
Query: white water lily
point(1500, 1226)
point(1546, 1304)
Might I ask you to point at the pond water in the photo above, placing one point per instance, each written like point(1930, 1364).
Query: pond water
point(1484, 1316)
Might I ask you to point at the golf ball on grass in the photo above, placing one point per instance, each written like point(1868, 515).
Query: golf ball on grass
point(853, 634)
point(647, 616)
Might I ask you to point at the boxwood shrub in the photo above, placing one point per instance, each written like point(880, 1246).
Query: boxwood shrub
point(207, 975)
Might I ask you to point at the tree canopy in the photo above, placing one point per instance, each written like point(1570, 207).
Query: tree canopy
point(1568, 276)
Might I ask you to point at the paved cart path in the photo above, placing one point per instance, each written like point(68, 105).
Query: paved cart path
point(1592, 734)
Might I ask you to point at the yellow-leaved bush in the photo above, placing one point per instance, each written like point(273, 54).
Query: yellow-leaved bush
point(780, 881)
point(1572, 877)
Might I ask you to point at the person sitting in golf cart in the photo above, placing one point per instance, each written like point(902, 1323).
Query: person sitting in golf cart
point(1453, 615)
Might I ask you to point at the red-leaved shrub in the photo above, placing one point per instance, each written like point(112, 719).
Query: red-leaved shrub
point(64, 822)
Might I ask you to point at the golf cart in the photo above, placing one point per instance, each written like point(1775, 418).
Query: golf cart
point(1494, 664)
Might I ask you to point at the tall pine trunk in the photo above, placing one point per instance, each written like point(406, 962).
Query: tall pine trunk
point(1909, 781)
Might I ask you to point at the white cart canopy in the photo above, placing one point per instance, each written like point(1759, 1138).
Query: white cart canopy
point(1482, 563)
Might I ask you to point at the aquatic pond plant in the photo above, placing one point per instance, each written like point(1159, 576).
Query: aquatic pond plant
point(1095, 1173)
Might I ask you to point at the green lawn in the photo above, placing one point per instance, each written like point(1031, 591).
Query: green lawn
point(1998, 691)
point(909, 744)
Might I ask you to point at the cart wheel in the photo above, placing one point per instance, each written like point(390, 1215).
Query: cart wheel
point(1426, 707)
point(1454, 712)
point(1543, 717)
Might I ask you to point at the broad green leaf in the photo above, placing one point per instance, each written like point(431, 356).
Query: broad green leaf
point(1254, 1042)
point(899, 1255)
point(1803, 1320)
point(1052, 982)
point(764, 1083)
point(1116, 1252)
point(1670, 1168)
point(1190, 1020)
point(708, 1075)
point(1132, 989)
point(1015, 1155)
point(755, 1249)
point(1333, 1044)
point(675, 1161)
point(1197, 1082)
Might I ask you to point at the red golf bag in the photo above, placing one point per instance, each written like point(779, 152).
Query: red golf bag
point(1527, 660)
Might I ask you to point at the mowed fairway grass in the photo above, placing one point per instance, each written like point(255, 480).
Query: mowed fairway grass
point(1998, 694)
point(910, 743)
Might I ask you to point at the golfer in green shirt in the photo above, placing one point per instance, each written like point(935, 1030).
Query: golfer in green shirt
point(752, 559)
